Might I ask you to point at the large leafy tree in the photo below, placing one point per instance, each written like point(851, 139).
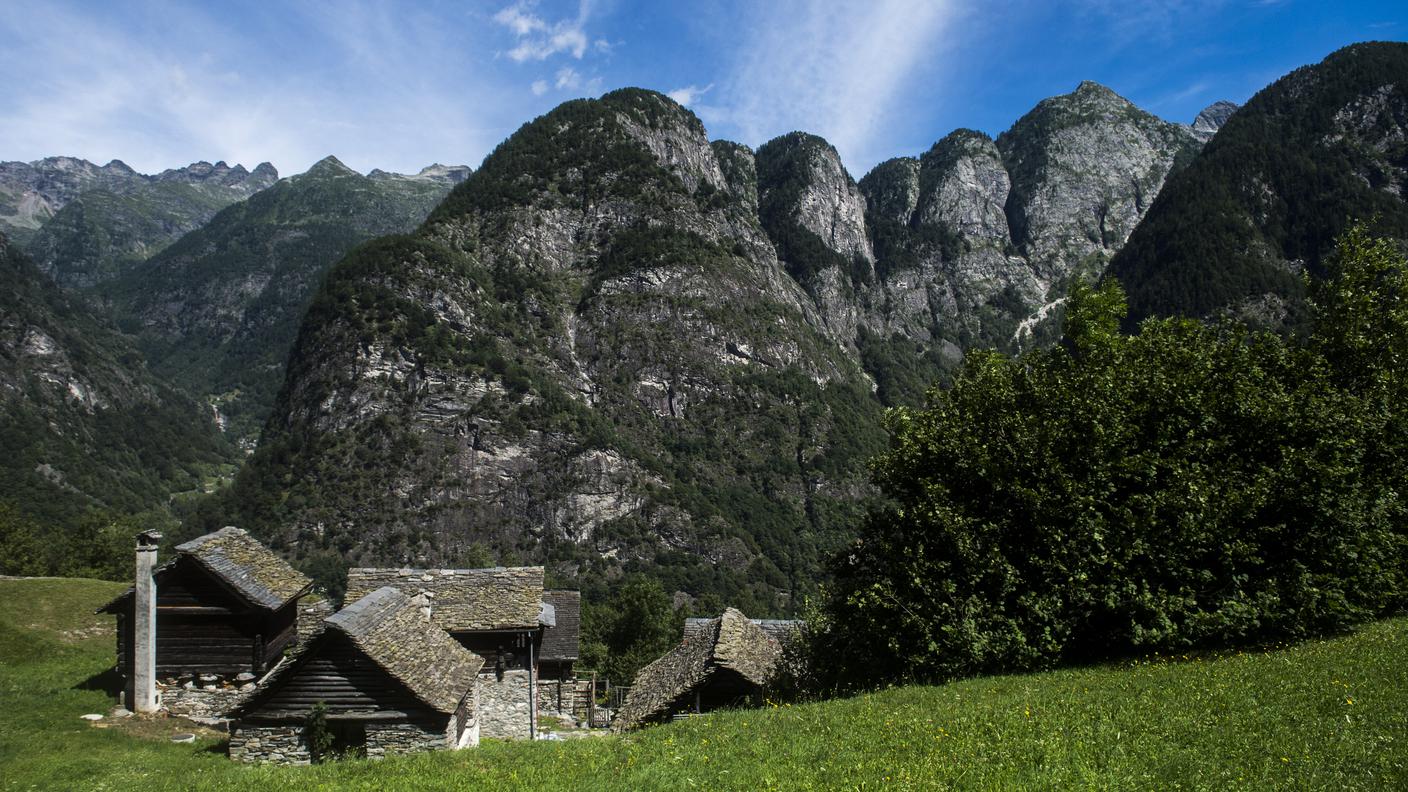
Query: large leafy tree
point(1189, 485)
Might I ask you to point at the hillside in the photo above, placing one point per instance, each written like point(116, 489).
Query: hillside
point(1263, 202)
point(217, 311)
point(84, 423)
point(1320, 715)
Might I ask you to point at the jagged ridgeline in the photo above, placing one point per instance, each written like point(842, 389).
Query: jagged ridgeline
point(1265, 200)
point(590, 354)
point(217, 311)
point(82, 423)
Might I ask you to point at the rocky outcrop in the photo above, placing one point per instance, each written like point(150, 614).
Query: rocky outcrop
point(1211, 119)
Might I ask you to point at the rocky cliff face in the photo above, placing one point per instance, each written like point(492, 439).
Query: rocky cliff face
point(217, 311)
point(590, 353)
point(83, 423)
point(86, 225)
point(972, 244)
point(1268, 195)
point(621, 346)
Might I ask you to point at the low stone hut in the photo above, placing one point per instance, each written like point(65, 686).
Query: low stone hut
point(225, 605)
point(500, 614)
point(391, 681)
point(723, 662)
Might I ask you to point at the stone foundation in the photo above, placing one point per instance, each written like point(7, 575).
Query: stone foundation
point(283, 744)
point(204, 697)
point(503, 706)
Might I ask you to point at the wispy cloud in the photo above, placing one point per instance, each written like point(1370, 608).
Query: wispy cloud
point(689, 94)
point(832, 67)
point(539, 39)
point(372, 87)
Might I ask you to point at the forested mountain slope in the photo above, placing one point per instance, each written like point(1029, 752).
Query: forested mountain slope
point(1263, 202)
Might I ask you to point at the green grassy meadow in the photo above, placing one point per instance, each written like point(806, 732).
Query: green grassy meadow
point(1329, 714)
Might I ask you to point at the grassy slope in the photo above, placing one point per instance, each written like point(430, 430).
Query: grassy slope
point(1325, 714)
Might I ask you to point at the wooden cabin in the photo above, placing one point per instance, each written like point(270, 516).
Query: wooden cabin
point(225, 605)
point(723, 662)
point(391, 682)
point(500, 614)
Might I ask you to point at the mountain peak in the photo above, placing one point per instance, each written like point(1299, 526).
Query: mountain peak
point(1212, 118)
point(329, 166)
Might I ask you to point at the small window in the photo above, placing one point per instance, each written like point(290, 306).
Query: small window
point(349, 738)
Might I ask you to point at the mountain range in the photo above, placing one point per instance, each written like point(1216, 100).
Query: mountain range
point(620, 346)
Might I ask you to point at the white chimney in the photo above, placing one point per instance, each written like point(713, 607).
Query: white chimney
point(144, 696)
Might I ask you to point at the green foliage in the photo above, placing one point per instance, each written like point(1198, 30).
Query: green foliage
point(316, 734)
point(633, 626)
point(1188, 486)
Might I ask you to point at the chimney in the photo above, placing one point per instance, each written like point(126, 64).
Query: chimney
point(144, 696)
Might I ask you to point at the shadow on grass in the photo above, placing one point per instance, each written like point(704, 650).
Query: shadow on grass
point(222, 748)
point(109, 681)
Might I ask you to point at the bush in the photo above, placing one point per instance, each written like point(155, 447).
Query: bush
point(1187, 486)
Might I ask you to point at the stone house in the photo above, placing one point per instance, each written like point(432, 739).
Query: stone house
point(723, 662)
point(224, 606)
point(501, 614)
point(391, 681)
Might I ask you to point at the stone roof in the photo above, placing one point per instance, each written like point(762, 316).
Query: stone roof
point(730, 643)
point(563, 640)
point(394, 633)
point(780, 630)
point(252, 570)
point(392, 630)
point(464, 600)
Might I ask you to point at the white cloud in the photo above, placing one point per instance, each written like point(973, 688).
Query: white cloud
point(540, 87)
point(568, 78)
point(831, 67)
point(538, 39)
point(688, 95)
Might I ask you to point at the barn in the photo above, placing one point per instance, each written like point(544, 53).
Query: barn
point(390, 682)
point(225, 605)
point(723, 662)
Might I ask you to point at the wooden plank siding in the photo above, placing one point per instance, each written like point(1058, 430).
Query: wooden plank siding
point(349, 683)
point(203, 628)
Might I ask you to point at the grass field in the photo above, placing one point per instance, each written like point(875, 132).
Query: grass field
point(1327, 714)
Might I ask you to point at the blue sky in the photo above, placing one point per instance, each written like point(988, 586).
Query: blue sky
point(397, 85)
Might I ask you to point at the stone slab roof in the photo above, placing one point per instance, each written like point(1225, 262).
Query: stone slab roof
point(395, 634)
point(731, 642)
point(563, 641)
point(252, 570)
point(392, 630)
point(464, 600)
point(780, 630)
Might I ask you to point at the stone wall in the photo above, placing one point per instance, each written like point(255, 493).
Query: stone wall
point(204, 697)
point(565, 700)
point(283, 744)
point(503, 706)
point(389, 739)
